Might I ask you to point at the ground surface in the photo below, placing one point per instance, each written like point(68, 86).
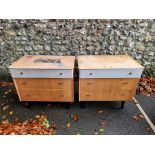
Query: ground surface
point(96, 118)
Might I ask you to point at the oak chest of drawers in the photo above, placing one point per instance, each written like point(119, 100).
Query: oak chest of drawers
point(108, 77)
point(44, 78)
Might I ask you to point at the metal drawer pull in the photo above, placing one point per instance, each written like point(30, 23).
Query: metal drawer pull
point(60, 73)
point(21, 73)
point(130, 73)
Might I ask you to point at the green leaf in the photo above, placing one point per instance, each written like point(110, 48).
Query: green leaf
point(101, 130)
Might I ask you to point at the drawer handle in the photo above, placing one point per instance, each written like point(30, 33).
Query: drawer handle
point(125, 83)
point(89, 83)
point(130, 73)
point(60, 83)
point(24, 83)
point(21, 73)
point(88, 95)
point(90, 73)
point(60, 73)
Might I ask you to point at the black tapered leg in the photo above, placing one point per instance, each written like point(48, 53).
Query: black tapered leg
point(122, 104)
point(82, 105)
point(67, 105)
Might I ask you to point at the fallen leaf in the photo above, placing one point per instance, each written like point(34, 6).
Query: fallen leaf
point(46, 123)
point(136, 118)
point(42, 118)
point(146, 86)
point(101, 130)
point(11, 112)
point(100, 111)
point(141, 116)
point(28, 127)
point(5, 84)
point(74, 117)
point(5, 107)
point(6, 93)
point(5, 122)
point(37, 116)
point(68, 125)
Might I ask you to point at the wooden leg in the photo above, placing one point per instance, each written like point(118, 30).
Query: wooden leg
point(82, 105)
point(122, 104)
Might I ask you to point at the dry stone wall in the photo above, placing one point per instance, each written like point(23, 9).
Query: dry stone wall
point(77, 37)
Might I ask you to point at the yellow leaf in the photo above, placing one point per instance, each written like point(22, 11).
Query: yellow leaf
point(101, 130)
point(11, 112)
point(68, 125)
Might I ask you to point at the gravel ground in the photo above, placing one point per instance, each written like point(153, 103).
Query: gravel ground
point(96, 118)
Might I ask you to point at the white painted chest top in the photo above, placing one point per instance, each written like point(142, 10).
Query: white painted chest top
point(109, 66)
point(42, 66)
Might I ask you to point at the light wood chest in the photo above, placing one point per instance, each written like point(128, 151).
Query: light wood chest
point(44, 78)
point(108, 77)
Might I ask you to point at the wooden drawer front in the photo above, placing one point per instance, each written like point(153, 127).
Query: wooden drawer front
point(37, 83)
point(41, 73)
point(110, 73)
point(107, 89)
point(45, 95)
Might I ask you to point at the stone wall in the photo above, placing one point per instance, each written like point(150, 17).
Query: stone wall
point(77, 37)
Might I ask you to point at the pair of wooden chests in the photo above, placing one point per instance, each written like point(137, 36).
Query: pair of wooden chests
point(51, 78)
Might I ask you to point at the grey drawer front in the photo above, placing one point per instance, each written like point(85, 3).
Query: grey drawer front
point(41, 73)
point(110, 73)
